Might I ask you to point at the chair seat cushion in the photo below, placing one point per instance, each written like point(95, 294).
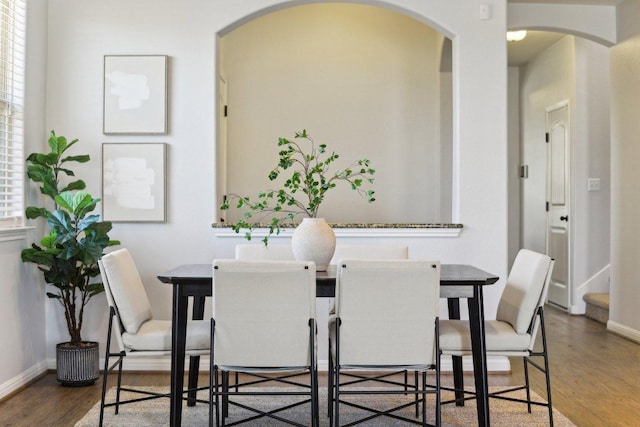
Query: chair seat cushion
point(500, 336)
point(156, 335)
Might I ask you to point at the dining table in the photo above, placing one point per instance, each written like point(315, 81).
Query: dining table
point(456, 281)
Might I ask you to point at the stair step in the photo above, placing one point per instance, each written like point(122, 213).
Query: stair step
point(597, 306)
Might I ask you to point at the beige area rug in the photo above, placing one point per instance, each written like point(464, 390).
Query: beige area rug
point(156, 413)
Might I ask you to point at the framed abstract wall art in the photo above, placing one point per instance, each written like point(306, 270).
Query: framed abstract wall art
point(133, 182)
point(135, 95)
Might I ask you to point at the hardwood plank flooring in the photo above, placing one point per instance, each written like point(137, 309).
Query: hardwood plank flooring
point(595, 378)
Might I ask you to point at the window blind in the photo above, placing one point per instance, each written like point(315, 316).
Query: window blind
point(12, 80)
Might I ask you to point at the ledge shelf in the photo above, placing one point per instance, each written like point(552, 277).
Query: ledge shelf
point(357, 230)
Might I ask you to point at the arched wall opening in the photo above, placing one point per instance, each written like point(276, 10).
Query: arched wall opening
point(573, 71)
point(365, 80)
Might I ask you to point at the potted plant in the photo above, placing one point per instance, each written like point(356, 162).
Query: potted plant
point(68, 255)
point(301, 193)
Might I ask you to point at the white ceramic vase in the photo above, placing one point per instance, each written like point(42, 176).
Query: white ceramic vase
point(314, 240)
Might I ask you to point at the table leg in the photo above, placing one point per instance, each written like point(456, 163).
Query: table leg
point(458, 374)
point(194, 361)
point(178, 342)
point(479, 350)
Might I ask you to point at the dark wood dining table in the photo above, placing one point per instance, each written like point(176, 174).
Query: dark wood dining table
point(456, 281)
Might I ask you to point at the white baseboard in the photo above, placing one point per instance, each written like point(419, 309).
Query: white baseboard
point(625, 331)
point(22, 379)
point(494, 364)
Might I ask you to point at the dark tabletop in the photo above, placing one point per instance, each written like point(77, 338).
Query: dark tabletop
point(450, 275)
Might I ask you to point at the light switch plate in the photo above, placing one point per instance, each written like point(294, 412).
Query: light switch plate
point(484, 12)
point(593, 184)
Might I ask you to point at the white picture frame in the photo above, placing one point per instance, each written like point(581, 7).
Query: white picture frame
point(135, 95)
point(134, 182)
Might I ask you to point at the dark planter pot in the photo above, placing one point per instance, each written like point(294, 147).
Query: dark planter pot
point(77, 366)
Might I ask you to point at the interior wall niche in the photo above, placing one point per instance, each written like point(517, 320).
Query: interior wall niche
point(364, 80)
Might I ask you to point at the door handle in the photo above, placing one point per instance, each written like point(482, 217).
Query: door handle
point(564, 218)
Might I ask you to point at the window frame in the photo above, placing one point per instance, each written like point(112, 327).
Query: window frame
point(12, 88)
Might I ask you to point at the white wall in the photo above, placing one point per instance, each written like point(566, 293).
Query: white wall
point(361, 79)
point(514, 182)
point(22, 297)
point(573, 70)
point(625, 174)
point(591, 159)
point(545, 81)
point(446, 127)
point(87, 30)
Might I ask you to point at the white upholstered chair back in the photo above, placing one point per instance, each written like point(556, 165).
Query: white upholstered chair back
point(541, 302)
point(387, 310)
point(261, 312)
point(271, 252)
point(525, 290)
point(127, 289)
point(116, 322)
point(369, 252)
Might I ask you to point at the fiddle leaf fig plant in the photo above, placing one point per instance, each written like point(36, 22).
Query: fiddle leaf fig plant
point(68, 255)
point(304, 170)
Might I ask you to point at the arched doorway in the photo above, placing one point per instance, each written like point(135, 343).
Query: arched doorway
point(572, 72)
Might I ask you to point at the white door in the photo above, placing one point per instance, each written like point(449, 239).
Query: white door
point(558, 198)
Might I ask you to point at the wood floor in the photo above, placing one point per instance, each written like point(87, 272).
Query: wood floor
point(595, 381)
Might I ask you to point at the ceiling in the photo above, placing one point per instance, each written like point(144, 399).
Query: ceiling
point(519, 53)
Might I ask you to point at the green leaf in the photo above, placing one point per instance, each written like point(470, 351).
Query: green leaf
point(59, 221)
point(39, 173)
point(53, 142)
point(37, 255)
point(33, 212)
point(49, 241)
point(67, 172)
point(75, 185)
point(74, 202)
point(95, 289)
point(80, 159)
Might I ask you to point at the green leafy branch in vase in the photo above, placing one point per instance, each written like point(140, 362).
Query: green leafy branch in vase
point(303, 191)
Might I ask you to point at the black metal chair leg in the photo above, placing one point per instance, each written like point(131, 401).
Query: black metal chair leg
point(527, 384)
point(225, 397)
point(212, 372)
point(417, 400)
point(119, 385)
point(330, 387)
point(105, 375)
point(546, 364)
point(424, 397)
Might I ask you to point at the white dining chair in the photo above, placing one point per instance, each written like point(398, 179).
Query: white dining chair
point(132, 326)
point(263, 326)
point(372, 251)
point(513, 333)
point(260, 252)
point(379, 330)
